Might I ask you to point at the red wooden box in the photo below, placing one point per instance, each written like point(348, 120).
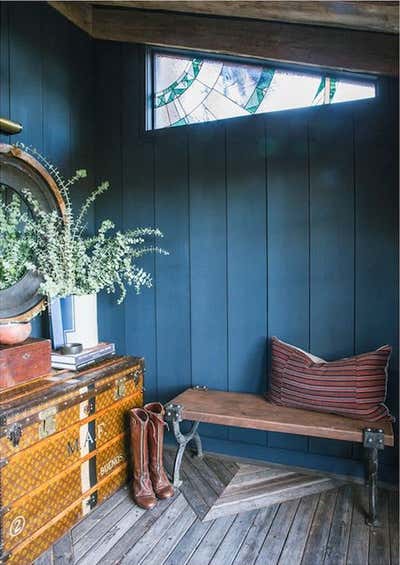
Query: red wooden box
point(25, 361)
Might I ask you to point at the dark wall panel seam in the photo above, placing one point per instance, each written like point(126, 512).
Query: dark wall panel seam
point(267, 336)
point(227, 257)
point(189, 189)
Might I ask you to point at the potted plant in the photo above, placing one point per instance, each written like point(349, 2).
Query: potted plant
point(74, 265)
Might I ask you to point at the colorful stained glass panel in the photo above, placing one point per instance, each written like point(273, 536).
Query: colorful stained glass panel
point(194, 89)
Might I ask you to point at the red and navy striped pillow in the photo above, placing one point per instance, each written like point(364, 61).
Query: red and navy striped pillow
point(353, 387)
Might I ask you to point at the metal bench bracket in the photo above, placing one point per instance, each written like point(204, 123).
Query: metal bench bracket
point(374, 439)
point(173, 415)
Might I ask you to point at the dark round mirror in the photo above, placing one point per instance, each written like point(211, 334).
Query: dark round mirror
point(14, 250)
point(20, 171)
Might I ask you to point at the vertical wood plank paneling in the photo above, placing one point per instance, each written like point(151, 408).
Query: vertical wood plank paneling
point(25, 23)
point(54, 65)
point(138, 210)
point(25, 85)
point(208, 260)
point(4, 66)
point(35, 88)
point(109, 167)
point(331, 243)
point(376, 173)
point(288, 239)
point(82, 114)
point(351, 278)
point(56, 88)
point(172, 292)
point(247, 268)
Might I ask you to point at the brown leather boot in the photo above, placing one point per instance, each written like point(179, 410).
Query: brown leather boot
point(161, 485)
point(143, 493)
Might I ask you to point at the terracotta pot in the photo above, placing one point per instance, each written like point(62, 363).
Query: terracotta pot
point(14, 332)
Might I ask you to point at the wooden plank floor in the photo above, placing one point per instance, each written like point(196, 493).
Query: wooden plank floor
point(214, 487)
point(327, 528)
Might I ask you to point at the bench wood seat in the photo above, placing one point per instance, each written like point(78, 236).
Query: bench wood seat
point(255, 412)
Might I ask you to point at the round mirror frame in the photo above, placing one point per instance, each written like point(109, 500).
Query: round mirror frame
point(56, 201)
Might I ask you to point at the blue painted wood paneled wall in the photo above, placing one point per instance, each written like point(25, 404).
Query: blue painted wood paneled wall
point(46, 83)
point(277, 225)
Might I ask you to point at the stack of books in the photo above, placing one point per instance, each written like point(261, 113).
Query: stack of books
point(77, 361)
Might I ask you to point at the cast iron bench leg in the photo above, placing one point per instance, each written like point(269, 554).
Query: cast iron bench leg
point(373, 440)
point(173, 415)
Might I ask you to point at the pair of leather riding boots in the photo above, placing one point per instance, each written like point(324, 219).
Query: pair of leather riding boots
point(147, 437)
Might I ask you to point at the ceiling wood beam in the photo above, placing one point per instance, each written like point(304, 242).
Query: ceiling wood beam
point(369, 16)
point(79, 13)
point(340, 49)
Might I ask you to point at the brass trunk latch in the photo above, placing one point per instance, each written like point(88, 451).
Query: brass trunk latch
point(47, 425)
point(120, 389)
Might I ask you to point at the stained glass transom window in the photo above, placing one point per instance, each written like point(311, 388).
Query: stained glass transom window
point(190, 90)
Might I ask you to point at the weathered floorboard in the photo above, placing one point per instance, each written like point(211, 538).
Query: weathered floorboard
point(280, 489)
point(339, 535)
point(156, 532)
point(296, 540)
point(46, 558)
point(210, 543)
point(189, 490)
point(174, 532)
point(111, 536)
point(258, 531)
point(98, 515)
point(224, 473)
point(320, 528)
point(394, 527)
point(274, 542)
point(379, 542)
point(95, 534)
point(233, 540)
point(357, 553)
point(132, 536)
point(188, 544)
point(327, 528)
point(63, 553)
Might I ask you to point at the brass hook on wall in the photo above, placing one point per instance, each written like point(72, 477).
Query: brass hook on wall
point(9, 127)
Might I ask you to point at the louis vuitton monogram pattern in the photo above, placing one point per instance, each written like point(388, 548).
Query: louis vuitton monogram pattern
point(46, 484)
point(66, 388)
point(27, 551)
point(30, 434)
point(34, 510)
point(32, 467)
point(122, 387)
point(120, 382)
point(114, 421)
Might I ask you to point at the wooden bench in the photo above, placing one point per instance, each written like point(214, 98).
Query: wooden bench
point(254, 412)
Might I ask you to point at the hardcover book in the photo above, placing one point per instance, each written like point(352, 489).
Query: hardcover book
point(85, 357)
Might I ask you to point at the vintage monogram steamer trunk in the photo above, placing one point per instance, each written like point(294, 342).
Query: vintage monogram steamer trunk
point(63, 450)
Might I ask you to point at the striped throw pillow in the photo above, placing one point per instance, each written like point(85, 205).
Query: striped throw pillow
point(353, 387)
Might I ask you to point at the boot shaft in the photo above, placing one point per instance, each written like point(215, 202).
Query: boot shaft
point(155, 411)
point(159, 479)
point(139, 426)
point(143, 492)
